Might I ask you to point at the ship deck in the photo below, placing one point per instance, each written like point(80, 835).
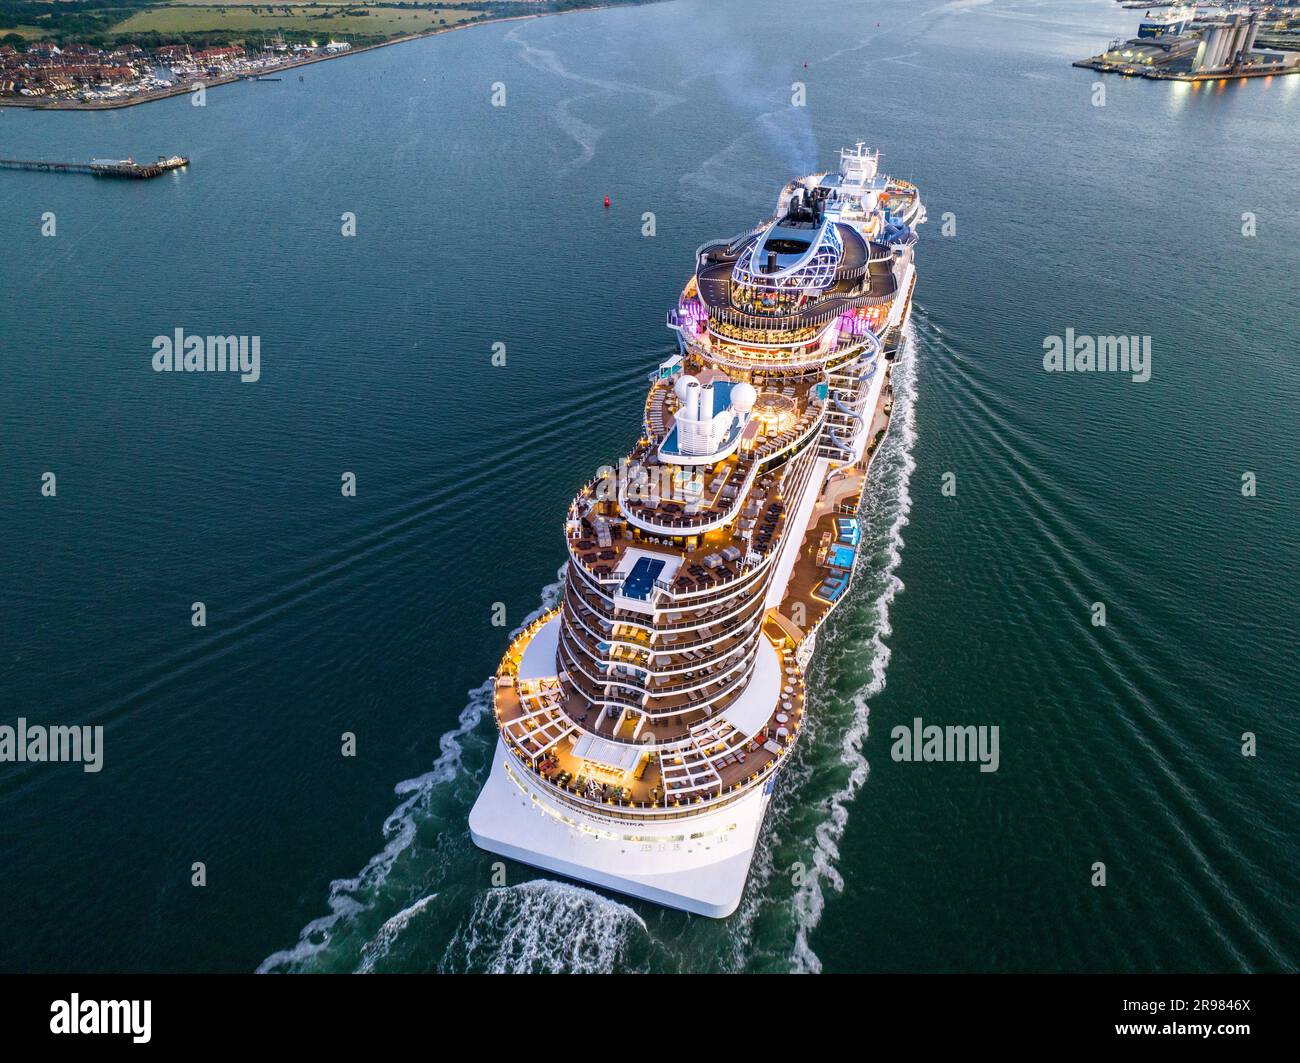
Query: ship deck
point(865, 276)
point(706, 760)
point(714, 557)
point(840, 499)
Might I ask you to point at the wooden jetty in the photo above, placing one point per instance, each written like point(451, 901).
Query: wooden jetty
point(102, 167)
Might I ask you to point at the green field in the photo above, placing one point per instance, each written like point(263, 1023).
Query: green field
point(325, 22)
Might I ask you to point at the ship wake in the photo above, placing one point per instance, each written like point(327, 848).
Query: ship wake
point(382, 944)
point(354, 902)
point(886, 499)
point(544, 927)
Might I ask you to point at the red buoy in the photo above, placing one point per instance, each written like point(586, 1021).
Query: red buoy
point(607, 202)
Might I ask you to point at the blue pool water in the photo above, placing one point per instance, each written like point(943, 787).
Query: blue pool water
point(642, 577)
point(841, 556)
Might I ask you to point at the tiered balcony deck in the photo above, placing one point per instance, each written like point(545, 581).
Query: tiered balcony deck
point(733, 528)
point(638, 679)
point(711, 763)
point(720, 556)
point(670, 711)
point(671, 658)
point(602, 562)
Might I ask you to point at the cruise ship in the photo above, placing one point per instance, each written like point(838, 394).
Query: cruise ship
point(642, 724)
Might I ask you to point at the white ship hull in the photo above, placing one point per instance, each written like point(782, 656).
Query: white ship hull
point(697, 863)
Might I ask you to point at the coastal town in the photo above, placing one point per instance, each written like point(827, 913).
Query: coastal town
point(85, 74)
point(93, 54)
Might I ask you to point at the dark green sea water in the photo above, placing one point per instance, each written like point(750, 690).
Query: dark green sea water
point(479, 225)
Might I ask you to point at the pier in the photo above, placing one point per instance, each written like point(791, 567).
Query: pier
point(102, 167)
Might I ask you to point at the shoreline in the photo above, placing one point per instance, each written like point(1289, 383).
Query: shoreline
point(1154, 75)
point(42, 104)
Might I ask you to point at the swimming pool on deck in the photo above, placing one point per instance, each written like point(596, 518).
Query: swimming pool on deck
point(841, 556)
point(642, 577)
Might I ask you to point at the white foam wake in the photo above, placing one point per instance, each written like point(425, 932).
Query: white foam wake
point(349, 896)
point(380, 945)
point(896, 457)
point(543, 927)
